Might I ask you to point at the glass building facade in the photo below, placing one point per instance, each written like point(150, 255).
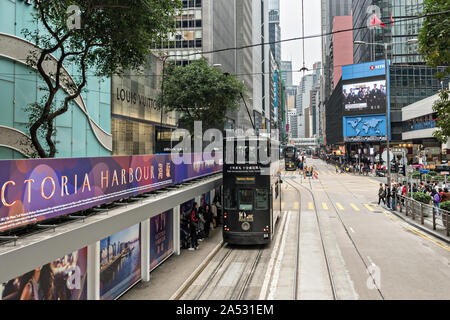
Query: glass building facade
point(138, 126)
point(410, 79)
point(186, 43)
point(82, 131)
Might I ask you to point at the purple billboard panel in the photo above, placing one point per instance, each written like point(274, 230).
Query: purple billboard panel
point(197, 168)
point(161, 238)
point(62, 279)
point(120, 262)
point(40, 189)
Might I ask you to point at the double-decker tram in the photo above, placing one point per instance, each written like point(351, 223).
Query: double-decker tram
point(251, 190)
point(290, 158)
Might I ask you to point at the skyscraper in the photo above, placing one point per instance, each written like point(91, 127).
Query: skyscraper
point(410, 79)
point(275, 30)
point(208, 25)
point(330, 9)
point(286, 72)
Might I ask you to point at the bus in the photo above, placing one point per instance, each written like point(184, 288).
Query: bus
point(290, 158)
point(251, 190)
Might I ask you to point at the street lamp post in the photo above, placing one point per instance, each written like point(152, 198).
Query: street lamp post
point(385, 45)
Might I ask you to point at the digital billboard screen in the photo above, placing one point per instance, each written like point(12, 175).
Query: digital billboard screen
point(364, 97)
point(365, 128)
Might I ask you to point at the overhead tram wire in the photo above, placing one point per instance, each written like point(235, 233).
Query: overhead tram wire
point(306, 37)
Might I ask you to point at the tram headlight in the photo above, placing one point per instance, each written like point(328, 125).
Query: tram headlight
point(245, 226)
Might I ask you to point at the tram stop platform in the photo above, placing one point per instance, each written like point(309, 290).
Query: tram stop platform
point(169, 277)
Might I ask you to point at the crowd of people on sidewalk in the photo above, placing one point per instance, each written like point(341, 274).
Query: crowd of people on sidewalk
point(197, 223)
point(390, 195)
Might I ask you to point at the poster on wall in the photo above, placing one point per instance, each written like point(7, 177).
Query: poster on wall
point(120, 262)
point(62, 279)
point(205, 199)
point(161, 238)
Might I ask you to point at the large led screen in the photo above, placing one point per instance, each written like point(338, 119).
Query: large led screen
point(365, 128)
point(364, 97)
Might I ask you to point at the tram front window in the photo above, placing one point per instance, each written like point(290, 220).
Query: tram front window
point(262, 199)
point(229, 198)
point(245, 199)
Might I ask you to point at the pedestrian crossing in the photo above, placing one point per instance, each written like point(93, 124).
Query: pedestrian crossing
point(320, 173)
point(325, 206)
point(324, 172)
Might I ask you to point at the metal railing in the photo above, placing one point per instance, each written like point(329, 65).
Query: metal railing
point(429, 215)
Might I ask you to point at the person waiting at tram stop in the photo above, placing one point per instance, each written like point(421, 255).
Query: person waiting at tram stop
point(193, 227)
point(388, 195)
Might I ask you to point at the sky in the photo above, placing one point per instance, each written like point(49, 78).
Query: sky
point(291, 27)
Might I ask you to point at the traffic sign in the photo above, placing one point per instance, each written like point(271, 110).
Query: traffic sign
point(384, 156)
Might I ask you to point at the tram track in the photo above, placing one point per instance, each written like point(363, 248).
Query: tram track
point(327, 262)
point(347, 231)
point(211, 288)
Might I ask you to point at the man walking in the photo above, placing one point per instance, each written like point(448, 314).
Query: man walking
point(381, 195)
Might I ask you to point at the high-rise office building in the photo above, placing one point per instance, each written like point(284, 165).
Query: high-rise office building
point(410, 79)
point(397, 34)
point(208, 25)
point(286, 72)
point(275, 30)
point(330, 9)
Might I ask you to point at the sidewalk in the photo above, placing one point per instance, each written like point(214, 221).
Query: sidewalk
point(166, 279)
point(439, 233)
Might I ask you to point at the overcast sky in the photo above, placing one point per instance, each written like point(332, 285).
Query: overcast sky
point(291, 27)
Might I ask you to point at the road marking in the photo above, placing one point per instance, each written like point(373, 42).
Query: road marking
point(324, 205)
point(267, 278)
point(354, 207)
point(373, 181)
point(351, 229)
point(339, 206)
point(310, 206)
point(369, 207)
point(277, 267)
point(296, 205)
point(371, 262)
point(406, 226)
point(440, 244)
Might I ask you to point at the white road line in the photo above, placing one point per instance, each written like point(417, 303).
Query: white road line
point(371, 262)
point(263, 293)
point(351, 229)
point(277, 267)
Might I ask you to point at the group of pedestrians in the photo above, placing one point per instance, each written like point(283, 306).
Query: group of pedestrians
point(389, 195)
point(202, 220)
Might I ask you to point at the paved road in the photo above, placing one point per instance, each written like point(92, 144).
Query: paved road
point(407, 263)
point(349, 237)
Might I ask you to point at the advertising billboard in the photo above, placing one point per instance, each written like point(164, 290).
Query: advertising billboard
point(364, 97)
point(365, 128)
point(364, 89)
point(161, 238)
point(120, 262)
point(39, 189)
point(62, 279)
